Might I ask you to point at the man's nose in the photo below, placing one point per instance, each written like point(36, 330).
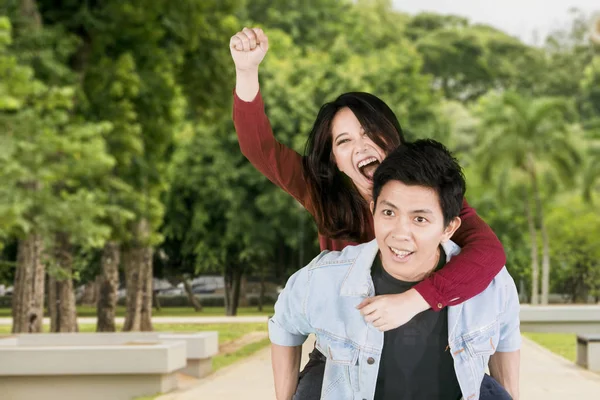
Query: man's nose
point(402, 230)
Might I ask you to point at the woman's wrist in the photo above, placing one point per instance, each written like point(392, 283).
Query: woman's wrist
point(246, 84)
point(418, 302)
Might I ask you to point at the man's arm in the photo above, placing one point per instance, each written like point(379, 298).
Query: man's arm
point(504, 367)
point(286, 367)
point(505, 363)
point(288, 329)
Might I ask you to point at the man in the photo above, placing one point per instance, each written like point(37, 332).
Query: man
point(417, 195)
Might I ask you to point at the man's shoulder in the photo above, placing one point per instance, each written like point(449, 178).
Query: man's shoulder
point(346, 256)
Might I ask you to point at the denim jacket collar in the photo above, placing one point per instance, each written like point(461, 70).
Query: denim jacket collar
point(358, 281)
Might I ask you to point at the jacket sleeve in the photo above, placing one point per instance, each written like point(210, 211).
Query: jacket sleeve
point(289, 326)
point(470, 272)
point(280, 164)
point(510, 332)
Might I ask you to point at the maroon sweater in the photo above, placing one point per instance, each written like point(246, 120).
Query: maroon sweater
point(465, 276)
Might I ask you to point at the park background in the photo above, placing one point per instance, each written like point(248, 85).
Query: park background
point(123, 192)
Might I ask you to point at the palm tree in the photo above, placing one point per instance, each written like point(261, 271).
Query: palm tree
point(591, 177)
point(530, 136)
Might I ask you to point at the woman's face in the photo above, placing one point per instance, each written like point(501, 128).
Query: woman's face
point(355, 154)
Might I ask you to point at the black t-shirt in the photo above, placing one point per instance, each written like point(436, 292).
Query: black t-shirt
point(415, 364)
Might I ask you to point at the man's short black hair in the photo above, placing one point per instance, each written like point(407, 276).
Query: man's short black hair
point(425, 163)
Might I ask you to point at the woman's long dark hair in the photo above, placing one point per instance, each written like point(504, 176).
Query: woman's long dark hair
point(338, 208)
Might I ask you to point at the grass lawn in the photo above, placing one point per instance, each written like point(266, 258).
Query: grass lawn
point(90, 311)
point(227, 332)
point(563, 344)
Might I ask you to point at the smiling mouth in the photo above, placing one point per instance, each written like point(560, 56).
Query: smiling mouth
point(368, 166)
point(401, 255)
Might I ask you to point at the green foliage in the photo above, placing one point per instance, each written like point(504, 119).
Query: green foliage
point(51, 160)
point(573, 227)
point(117, 111)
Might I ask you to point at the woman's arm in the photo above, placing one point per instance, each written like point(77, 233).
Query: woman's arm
point(280, 164)
point(469, 273)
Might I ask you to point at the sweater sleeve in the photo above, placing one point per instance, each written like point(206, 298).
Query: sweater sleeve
point(470, 272)
point(280, 164)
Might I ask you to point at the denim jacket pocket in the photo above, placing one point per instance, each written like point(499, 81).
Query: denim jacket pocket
point(483, 342)
point(341, 368)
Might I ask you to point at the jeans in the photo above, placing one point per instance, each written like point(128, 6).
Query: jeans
point(311, 381)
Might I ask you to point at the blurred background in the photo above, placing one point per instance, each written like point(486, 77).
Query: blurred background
point(123, 190)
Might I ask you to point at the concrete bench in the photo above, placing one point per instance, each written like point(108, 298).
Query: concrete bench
point(93, 372)
point(588, 352)
point(570, 318)
point(120, 365)
point(200, 346)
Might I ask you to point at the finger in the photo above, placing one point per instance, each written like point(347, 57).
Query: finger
point(236, 43)
point(372, 317)
point(251, 37)
point(368, 309)
point(379, 323)
point(365, 302)
point(245, 41)
point(262, 38)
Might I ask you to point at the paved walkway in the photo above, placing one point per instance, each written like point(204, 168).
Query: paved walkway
point(170, 320)
point(544, 375)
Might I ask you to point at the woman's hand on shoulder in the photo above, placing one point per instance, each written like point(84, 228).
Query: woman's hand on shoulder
point(248, 48)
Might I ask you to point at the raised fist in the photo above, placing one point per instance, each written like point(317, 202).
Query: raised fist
point(248, 48)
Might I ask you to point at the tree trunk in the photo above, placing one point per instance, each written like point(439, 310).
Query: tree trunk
point(227, 280)
point(235, 291)
point(147, 290)
point(137, 260)
point(156, 300)
point(28, 294)
point(193, 300)
point(545, 253)
point(261, 294)
point(109, 283)
point(535, 265)
point(545, 242)
point(133, 300)
point(89, 296)
point(243, 299)
point(63, 309)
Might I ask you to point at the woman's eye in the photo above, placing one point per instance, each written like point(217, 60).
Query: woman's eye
point(342, 141)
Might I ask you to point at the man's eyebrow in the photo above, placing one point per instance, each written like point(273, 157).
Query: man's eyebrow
point(387, 203)
point(422, 211)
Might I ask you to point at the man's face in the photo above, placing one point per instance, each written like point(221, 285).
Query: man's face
point(409, 227)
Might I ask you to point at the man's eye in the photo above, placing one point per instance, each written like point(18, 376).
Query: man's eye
point(388, 213)
point(420, 219)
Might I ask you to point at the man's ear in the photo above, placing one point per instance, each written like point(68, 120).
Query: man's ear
point(451, 228)
point(372, 207)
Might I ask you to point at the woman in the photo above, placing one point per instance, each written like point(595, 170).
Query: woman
point(350, 137)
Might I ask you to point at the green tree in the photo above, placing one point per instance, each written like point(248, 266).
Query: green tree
point(468, 60)
point(532, 137)
point(574, 226)
point(51, 164)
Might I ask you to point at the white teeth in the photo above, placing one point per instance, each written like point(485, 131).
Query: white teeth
point(400, 253)
point(366, 162)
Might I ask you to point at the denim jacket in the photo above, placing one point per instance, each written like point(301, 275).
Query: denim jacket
point(321, 299)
